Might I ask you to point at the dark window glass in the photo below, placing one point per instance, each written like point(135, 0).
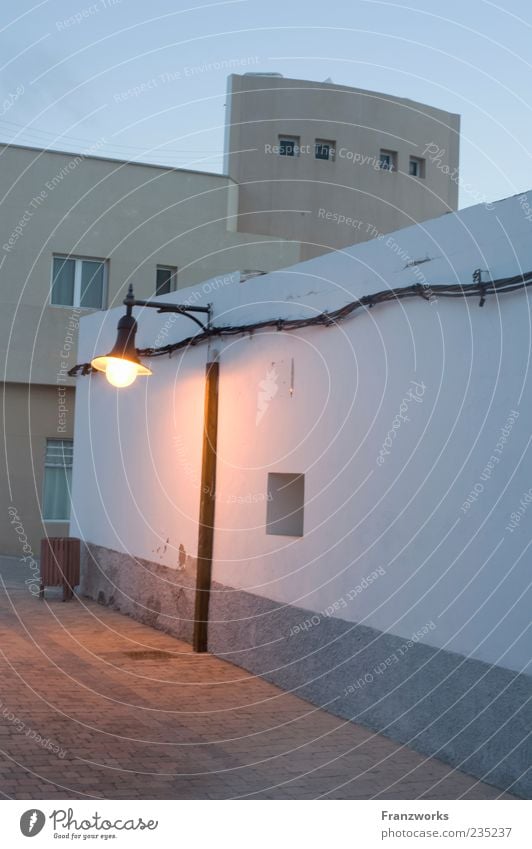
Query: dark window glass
point(416, 167)
point(57, 480)
point(288, 147)
point(64, 271)
point(91, 295)
point(165, 280)
point(323, 150)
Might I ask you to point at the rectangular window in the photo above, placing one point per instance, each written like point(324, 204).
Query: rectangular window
point(79, 282)
point(388, 160)
point(286, 499)
point(57, 480)
point(166, 279)
point(416, 167)
point(289, 145)
point(324, 149)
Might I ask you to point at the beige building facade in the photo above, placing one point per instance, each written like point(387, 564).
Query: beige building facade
point(332, 166)
point(76, 230)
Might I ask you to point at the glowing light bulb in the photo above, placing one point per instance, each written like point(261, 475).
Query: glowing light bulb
point(120, 373)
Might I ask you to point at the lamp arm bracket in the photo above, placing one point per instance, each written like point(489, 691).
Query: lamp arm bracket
point(182, 309)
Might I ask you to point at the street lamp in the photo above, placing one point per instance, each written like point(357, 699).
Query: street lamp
point(122, 364)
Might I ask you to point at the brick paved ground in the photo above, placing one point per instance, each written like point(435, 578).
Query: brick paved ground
point(137, 715)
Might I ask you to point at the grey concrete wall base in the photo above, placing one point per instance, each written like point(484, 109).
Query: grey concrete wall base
point(469, 714)
point(148, 592)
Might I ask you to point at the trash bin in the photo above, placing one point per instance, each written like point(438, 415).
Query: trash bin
point(60, 557)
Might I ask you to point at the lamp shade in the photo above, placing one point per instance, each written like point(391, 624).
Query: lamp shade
point(122, 365)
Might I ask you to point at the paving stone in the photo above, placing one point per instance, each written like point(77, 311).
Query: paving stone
point(178, 727)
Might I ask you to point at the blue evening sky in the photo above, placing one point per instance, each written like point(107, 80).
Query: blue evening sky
point(68, 68)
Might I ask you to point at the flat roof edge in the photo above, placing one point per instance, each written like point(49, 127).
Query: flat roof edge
point(9, 145)
point(279, 81)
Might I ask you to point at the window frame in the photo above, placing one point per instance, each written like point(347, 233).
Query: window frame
point(392, 155)
point(332, 150)
point(296, 140)
point(420, 163)
point(173, 278)
point(68, 481)
point(76, 297)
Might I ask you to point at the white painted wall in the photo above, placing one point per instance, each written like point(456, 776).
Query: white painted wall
point(137, 456)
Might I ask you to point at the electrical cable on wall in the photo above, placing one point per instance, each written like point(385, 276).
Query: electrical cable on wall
point(478, 289)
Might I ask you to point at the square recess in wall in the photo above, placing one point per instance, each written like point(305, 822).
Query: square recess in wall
point(286, 500)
